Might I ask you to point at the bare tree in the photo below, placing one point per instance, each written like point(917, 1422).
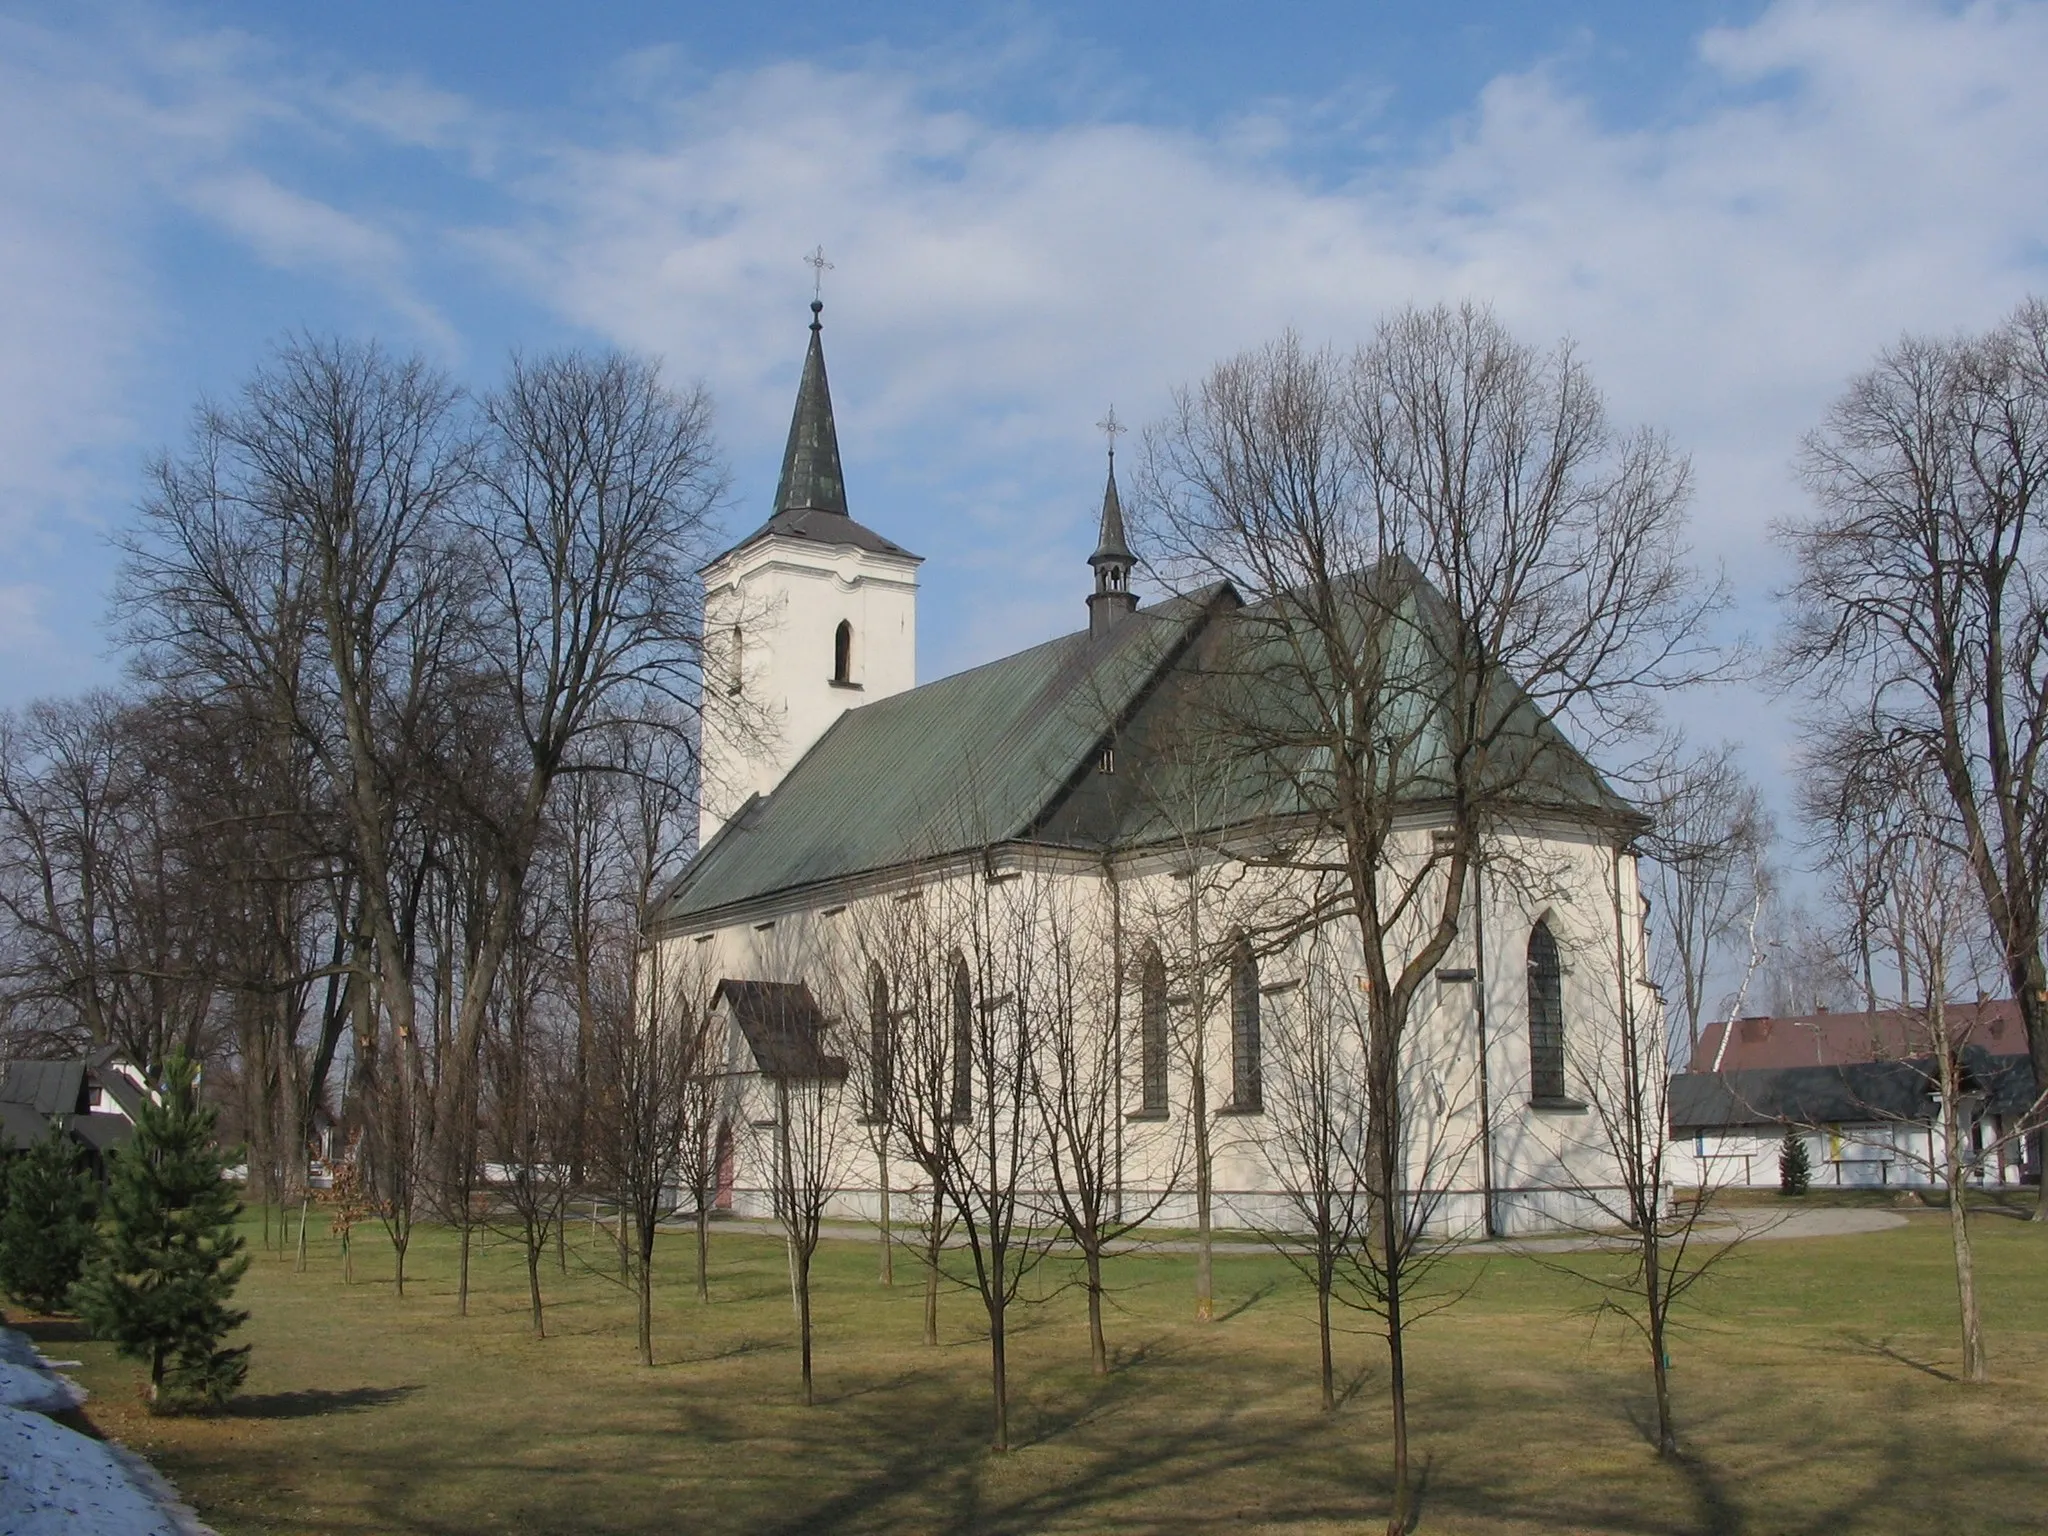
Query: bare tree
point(1315, 1143)
point(114, 938)
point(653, 1044)
point(805, 1152)
point(964, 1068)
point(527, 1125)
point(1078, 1086)
point(1636, 1217)
point(1187, 785)
point(1437, 537)
point(1708, 846)
point(1935, 912)
point(914, 1058)
point(1919, 900)
point(1920, 614)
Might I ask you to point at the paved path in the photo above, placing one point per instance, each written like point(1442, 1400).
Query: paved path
point(1742, 1222)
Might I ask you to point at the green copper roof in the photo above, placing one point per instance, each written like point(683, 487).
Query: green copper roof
point(1008, 752)
point(971, 760)
point(811, 477)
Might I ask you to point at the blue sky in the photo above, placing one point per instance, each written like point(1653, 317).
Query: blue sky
point(1034, 210)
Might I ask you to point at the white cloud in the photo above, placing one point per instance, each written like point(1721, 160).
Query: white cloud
point(1840, 172)
point(1833, 173)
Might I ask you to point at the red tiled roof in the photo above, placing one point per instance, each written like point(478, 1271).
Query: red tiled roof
point(1841, 1039)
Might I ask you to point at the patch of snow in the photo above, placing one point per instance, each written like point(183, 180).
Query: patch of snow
point(53, 1479)
point(56, 1482)
point(36, 1391)
point(26, 1380)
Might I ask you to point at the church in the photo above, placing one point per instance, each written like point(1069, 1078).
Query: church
point(858, 828)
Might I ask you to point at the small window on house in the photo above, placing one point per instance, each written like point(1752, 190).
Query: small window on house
point(739, 660)
point(842, 653)
point(881, 1045)
point(1106, 763)
point(963, 1041)
point(1546, 1016)
point(1246, 1088)
point(1152, 1030)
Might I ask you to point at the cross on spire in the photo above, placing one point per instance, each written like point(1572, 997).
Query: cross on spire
point(819, 267)
point(1111, 428)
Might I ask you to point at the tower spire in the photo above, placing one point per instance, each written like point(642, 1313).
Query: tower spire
point(811, 477)
point(1112, 598)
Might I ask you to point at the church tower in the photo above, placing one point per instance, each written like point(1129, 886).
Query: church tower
point(807, 617)
point(1112, 598)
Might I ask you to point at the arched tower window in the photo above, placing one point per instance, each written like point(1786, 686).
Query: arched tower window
point(1246, 1088)
point(842, 652)
point(963, 1040)
point(1546, 1016)
point(1152, 1030)
point(739, 660)
point(881, 1045)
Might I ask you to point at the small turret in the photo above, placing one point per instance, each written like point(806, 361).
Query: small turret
point(1112, 598)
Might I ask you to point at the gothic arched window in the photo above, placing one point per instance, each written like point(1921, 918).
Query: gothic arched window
point(1245, 1076)
point(1546, 1016)
point(842, 653)
point(881, 1045)
point(1152, 1031)
point(963, 1041)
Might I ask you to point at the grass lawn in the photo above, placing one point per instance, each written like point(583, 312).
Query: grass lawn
point(1813, 1389)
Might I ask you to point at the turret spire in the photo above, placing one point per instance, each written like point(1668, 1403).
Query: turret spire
point(1112, 560)
point(811, 477)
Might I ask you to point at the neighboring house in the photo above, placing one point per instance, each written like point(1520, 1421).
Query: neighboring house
point(835, 786)
point(1862, 1090)
point(93, 1098)
point(1839, 1039)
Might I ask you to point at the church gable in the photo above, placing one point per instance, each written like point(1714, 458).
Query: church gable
point(970, 760)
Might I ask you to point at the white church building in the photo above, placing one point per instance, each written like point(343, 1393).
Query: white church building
point(841, 796)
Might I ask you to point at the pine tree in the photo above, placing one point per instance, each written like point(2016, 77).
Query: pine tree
point(1795, 1168)
point(46, 1230)
point(170, 1257)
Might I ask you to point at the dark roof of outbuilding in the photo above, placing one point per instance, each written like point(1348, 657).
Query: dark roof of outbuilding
point(1840, 1095)
point(47, 1087)
point(102, 1132)
point(21, 1127)
point(784, 1028)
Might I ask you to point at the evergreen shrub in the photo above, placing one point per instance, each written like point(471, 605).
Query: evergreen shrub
point(1795, 1167)
point(46, 1227)
point(170, 1257)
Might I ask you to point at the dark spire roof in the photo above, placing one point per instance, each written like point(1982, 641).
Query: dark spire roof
point(1111, 546)
point(811, 477)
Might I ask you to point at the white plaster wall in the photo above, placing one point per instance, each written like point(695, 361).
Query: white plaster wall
point(1542, 1159)
point(787, 598)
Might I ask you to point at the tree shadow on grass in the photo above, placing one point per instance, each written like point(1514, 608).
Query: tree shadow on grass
point(1884, 1350)
point(1250, 1300)
point(314, 1401)
point(1353, 1385)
